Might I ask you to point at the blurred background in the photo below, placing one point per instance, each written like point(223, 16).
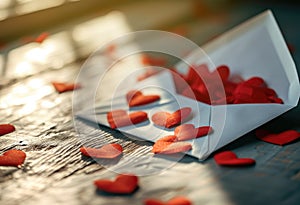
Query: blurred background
point(49, 34)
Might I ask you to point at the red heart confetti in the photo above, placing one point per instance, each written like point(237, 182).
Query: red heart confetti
point(208, 87)
point(64, 87)
point(123, 184)
point(154, 61)
point(42, 37)
point(229, 158)
point(137, 98)
point(169, 145)
point(179, 200)
point(6, 128)
point(169, 120)
point(282, 138)
point(108, 151)
point(120, 118)
point(188, 132)
point(13, 158)
point(256, 81)
point(132, 94)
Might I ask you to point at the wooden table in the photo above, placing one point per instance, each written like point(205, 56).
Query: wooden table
point(55, 172)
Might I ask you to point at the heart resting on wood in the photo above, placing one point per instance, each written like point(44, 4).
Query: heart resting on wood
point(282, 138)
point(123, 184)
point(13, 158)
point(179, 200)
point(61, 87)
point(229, 158)
point(6, 128)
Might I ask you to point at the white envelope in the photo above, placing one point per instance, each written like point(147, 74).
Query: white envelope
point(254, 48)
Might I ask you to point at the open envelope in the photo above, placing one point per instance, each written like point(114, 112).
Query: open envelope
point(254, 48)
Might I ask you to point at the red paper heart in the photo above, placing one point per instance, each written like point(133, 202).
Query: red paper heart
point(12, 158)
point(137, 98)
point(179, 200)
point(154, 61)
point(282, 138)
point(64, 87)
point(120, 118)
point(256, 82)
point(188, 132)
point(123, 184)
point(6, 128)
point(169, 145)
point(42, 37)
point(169, 120)
point(107, 151)
point(223, 71)
point(196, 75)
point(229, 158)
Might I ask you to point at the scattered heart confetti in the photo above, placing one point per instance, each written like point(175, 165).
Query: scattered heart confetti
point(217, 87)
point(120, 118)
point(169, 145)
point(179, 200)
point(132, 94)
point(6, 128)
point(154, 61)
point(108, 151)
point(42, 37)
point(168, 120)
point(13, 158)
point(282, 138)
point(229, 158)
point(188, 132)
point(137, 98)
point(64, 87)
point(123, 184)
